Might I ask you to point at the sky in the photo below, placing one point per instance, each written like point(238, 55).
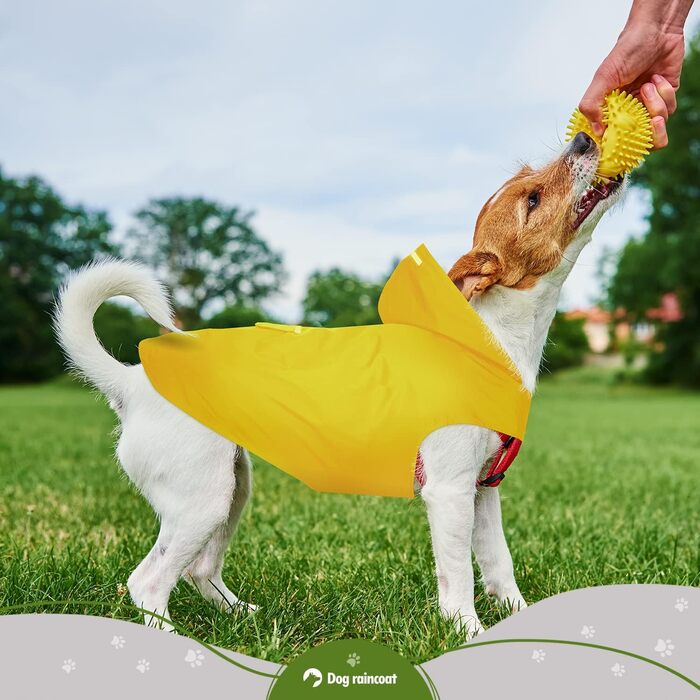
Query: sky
point(355, 130)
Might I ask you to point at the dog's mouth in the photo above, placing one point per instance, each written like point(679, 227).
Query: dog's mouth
point(592, 196)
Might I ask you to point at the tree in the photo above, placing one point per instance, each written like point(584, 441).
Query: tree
point(667, 258)
point(205, 251)
point(41, 238)
point(337, 298)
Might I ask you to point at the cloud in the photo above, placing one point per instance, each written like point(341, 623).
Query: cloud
point(356, 130)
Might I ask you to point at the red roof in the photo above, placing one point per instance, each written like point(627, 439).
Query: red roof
point(594, 314)
point(668, 311)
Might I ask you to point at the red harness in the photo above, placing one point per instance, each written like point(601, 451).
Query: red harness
point(504, 457)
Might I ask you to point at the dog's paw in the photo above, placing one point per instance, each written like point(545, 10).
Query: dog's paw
point(159, 623)
point(471, 626)
point(466, 622)
point(508, 596)
point(239, 606)
point(515, 604)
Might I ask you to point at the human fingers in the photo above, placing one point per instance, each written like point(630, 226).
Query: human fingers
point(667, 92)
point(658, 127)
point(591, 104)
point(655, 104)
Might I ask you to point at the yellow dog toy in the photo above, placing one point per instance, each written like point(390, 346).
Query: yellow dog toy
point(627, 138)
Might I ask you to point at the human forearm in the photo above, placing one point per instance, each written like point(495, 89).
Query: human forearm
point(665, 15)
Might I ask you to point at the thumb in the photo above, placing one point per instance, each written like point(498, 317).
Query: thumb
point(591, 104)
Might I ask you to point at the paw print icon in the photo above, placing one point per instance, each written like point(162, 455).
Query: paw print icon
point(618, 670)
point(353, 660)
point(538, 655)
point(118, 642)
point(68, 666)
point(142, 665)
point(664, 647)
point(588, 632)
point(681, 604)
point(194, 658)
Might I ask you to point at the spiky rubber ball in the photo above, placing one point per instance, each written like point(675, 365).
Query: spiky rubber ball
point(627, 138)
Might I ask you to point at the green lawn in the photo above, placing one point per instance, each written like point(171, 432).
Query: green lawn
point(605, 491)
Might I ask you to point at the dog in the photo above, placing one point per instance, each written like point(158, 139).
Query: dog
point(527, 238)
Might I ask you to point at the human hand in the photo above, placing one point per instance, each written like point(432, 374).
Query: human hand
point(646, 62)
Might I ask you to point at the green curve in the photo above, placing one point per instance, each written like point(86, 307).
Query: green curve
point(274, 680)
point(583, 644)
point(429, 681)
point(99, 603)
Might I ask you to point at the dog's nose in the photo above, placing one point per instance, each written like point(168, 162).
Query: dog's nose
point(580, 144)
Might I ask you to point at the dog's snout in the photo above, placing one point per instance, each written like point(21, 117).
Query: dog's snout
point(580, 144)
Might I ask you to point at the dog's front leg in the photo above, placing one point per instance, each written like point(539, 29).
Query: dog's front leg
point(451, 457)
point(491, 550)
point(451, 517)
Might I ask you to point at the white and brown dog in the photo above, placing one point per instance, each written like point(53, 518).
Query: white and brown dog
point(527, 238)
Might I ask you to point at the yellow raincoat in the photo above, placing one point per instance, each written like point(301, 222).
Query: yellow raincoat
point(345, 409)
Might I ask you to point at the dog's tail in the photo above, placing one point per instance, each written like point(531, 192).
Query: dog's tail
point(80, 297)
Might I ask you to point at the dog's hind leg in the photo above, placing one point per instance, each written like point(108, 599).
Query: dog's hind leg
point(491, 550)
point(139, 583)
point(204, 573)
point(151, 584)
point(192, 510)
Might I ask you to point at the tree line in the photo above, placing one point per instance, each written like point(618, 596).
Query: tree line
point(218, 268)
point(221, 271)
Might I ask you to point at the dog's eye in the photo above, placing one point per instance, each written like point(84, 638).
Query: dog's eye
point(533, 199)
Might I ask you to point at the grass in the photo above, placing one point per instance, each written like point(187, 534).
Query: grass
point(605, 491)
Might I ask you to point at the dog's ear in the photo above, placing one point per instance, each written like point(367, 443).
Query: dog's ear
point(475, 272)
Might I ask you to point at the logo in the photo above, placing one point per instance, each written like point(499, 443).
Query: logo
point(315, 674)
point(343, 668)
